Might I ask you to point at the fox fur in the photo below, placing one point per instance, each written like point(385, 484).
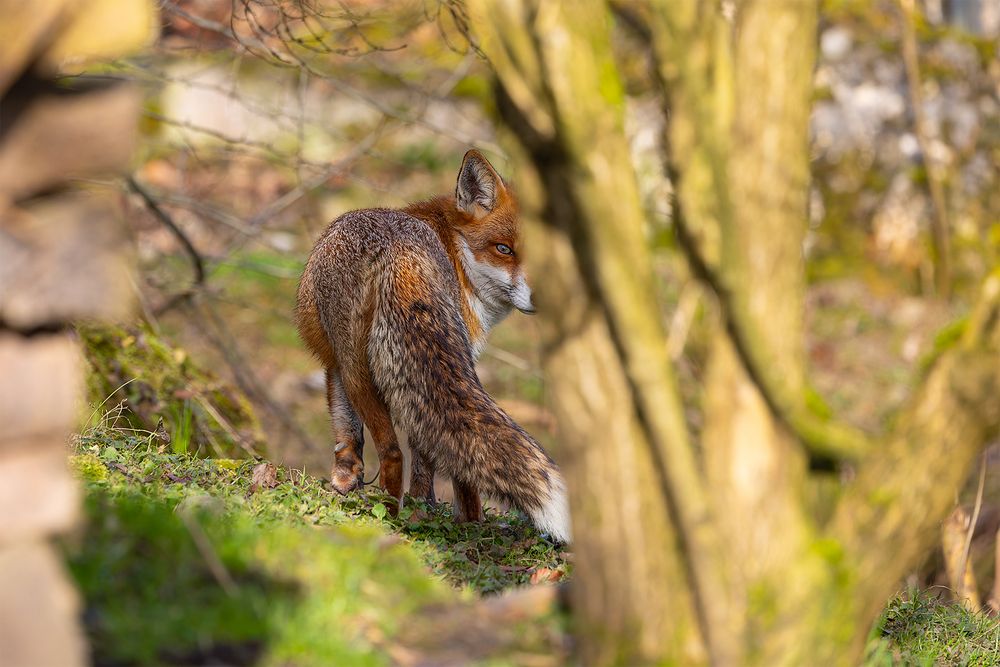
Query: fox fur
point(397, 305)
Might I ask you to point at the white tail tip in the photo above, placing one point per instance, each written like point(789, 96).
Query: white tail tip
point(553, 516)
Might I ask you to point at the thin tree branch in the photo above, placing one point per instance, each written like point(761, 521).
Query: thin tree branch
point(967, 545)
point(197, 262)
point(940, 227)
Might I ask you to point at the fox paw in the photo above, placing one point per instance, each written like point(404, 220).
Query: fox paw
point(348, 471)
point(343, 482)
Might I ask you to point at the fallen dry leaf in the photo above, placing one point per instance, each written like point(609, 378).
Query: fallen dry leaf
point(265, 476)
point(545, 575)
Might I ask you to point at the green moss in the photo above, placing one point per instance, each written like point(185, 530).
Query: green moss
point(763, 598)
point(817, 405)
point(832, 551)
point(882, 497)
point(88, 468)
point(609, 84)
point(189, 582)
point(945, 339)
point(156, 384)
point(474, 86)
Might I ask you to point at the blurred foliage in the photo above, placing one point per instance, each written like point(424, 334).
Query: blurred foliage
point(291, 596)
point(871, 212)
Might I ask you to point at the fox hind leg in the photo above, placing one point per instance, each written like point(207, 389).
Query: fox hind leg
point(375, 415)
point(421, 475)
point(468, 504)
point(348, 469)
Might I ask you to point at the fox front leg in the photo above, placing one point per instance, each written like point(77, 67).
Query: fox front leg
point(347, 473)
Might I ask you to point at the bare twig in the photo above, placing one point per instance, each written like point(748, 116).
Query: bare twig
point(511, 359)
point(330, 170)
point(940, 228)
point(197, 262)
point(972, 525)
point(261, 146)
point(212, 560)
point(215, 331)
point(205, 210)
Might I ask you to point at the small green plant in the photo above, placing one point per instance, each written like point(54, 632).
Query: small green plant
point(183, 428)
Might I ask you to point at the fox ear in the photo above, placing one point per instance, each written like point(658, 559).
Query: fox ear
point(478, 183)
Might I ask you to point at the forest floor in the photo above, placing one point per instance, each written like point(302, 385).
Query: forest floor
point(190, 560)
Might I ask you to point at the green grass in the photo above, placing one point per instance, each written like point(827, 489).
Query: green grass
point(177, 572)
point(918, 629)
point(179, 561)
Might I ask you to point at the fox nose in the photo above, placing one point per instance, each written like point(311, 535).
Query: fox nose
point(520, 295)
point(531, 309)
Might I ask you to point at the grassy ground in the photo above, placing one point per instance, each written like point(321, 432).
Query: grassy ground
point(918, 629)
point(189, 560)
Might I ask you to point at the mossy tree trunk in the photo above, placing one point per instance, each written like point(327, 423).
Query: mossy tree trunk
point(715, 553)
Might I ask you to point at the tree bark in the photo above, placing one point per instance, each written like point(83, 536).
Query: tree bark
point(710, 555)
point(757, 466)
point(604, 338)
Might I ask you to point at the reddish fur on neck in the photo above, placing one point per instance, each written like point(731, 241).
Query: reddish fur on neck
point(443, 216)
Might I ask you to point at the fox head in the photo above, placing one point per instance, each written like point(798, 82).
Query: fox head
point(490, 239)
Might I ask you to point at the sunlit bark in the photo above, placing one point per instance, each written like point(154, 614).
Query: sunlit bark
point(737, 566)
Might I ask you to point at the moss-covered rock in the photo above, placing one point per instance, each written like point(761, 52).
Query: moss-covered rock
point(161, 391)
point(204, 583)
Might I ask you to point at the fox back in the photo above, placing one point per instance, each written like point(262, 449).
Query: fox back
point(400, 301)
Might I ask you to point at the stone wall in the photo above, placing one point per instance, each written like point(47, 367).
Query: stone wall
point(64, 255)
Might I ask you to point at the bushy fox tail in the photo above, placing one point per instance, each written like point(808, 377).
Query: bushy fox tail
point(421, 362)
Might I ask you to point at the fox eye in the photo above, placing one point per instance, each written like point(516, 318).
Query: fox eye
point(504, 249)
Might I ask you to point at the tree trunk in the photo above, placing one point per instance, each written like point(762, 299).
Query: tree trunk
point(710, 555)
point(604, 331)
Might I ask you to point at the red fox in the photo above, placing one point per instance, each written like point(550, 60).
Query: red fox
point(397, 304)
